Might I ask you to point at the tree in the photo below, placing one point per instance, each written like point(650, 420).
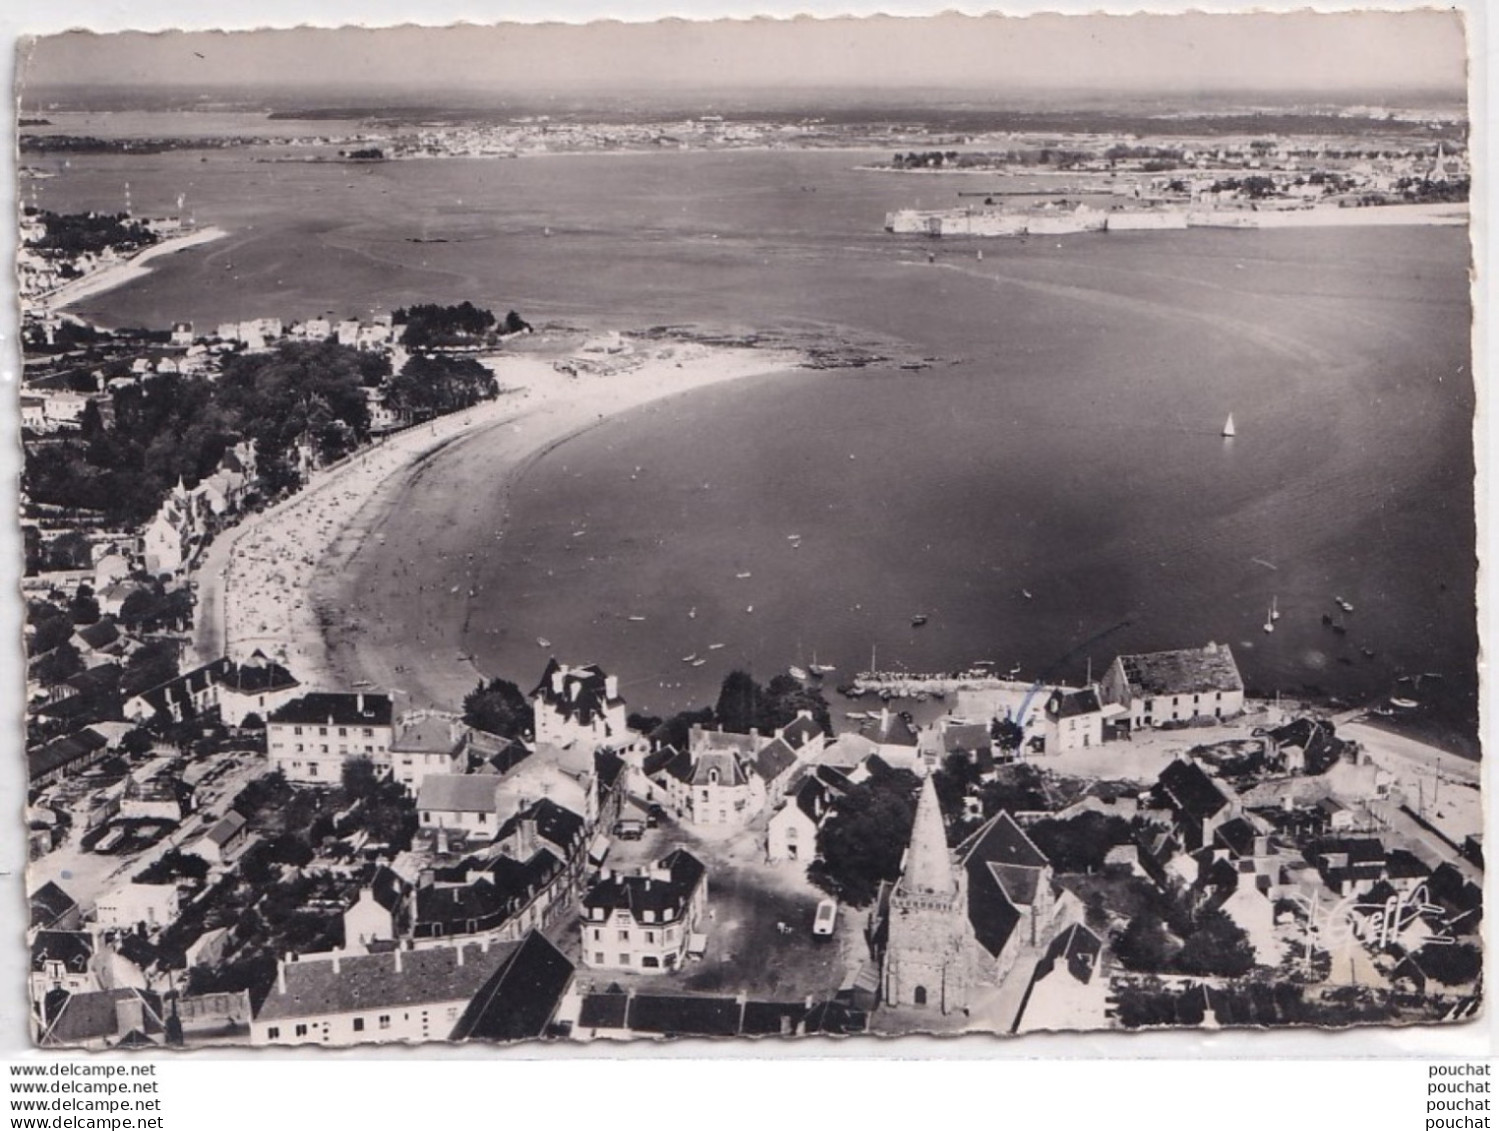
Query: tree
point(1454, 964)
point(1145, 945)
point(1080, 844)
point(1218, 946)
point(83, 608)
point(861, 844)
point(58, 666)
point(498, 707)
point(359, 779)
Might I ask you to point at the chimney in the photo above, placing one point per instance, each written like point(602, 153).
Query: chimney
point(335, 962)
point(611, 687)
point(559, 677)
point(458, 953)
point(397, 953)
point(359, 702)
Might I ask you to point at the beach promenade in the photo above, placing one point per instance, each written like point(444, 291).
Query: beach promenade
point(284, 580)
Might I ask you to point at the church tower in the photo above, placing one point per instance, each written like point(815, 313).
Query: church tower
point(925, 957)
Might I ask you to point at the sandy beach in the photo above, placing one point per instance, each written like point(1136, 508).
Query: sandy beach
point(126, 271)
point(281, 581)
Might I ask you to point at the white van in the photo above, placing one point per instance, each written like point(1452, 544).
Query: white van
point(826, 919)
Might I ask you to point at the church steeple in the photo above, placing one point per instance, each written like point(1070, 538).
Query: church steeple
point(929, 870)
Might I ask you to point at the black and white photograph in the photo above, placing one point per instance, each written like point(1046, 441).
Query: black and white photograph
point(824, 527)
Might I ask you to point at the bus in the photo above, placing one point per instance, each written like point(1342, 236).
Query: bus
point(826, 919)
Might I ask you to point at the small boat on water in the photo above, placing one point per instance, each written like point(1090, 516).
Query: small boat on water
point(714, 647)
point(743, 575)
point(799, 673)
point(698, 663)
point(1229, 431)
point(1026, 593)
point(918, 620)
point(1274, 608)
point(749, 608)
point(823, 669)
point(689, 659)
point(1404, 704)
point(543, 642)
point(1342, 604)
point(636, 619)
point(1368, 653)
point(1270, 619)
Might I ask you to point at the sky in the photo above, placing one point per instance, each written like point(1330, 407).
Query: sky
point(1303, 51)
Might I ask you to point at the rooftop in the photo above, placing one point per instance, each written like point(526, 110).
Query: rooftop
point(336, 708)
point(318, 985)
point(1183, 672)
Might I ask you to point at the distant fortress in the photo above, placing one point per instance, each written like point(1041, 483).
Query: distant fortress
point(1054, 222)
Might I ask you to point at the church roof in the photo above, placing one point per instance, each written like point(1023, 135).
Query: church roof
point(928, 869)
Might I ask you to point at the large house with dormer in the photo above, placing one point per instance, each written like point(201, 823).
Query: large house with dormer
point(579, 706)
point(644, 922)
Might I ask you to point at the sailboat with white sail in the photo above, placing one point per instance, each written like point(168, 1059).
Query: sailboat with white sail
point(1229, 431)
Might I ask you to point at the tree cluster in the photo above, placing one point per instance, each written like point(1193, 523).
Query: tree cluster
point(743, 705)
point(178, 427)
point(89, 233)
point(498, 707)
point(434, 384)
point(429, 324)
point(861, 844)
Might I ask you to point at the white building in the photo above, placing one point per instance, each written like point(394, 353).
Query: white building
point(132, 904)
point(309, 739)
point(579, 705)
point(645, 922)
point(1179, 686)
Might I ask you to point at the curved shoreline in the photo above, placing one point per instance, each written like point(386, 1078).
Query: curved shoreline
point(288, 580)
point(118, 274)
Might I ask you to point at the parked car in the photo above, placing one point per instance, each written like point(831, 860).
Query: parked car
point(654, 816)
point(629, 829)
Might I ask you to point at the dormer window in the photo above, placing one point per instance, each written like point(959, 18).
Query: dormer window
point(712, 777)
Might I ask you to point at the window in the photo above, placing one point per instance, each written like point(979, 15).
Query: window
point(343, 732)
point(483, 818)
point(624, 936)
point(427, 817)
point(322, 732)
point(312, 769)
point(650, 936)
point(369, 732)
point(598, 958)
point(359, 1024)
point(299, 748)
point(273, 1033)
point(919, 996)
point(598, 935)
point(650, 962)
point(301, 1030)
point(624, 959)
point(671, 934)
point(296, 730)
point(385, 1021)
point(325, 748)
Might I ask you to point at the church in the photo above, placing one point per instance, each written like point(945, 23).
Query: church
point(960, 918)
